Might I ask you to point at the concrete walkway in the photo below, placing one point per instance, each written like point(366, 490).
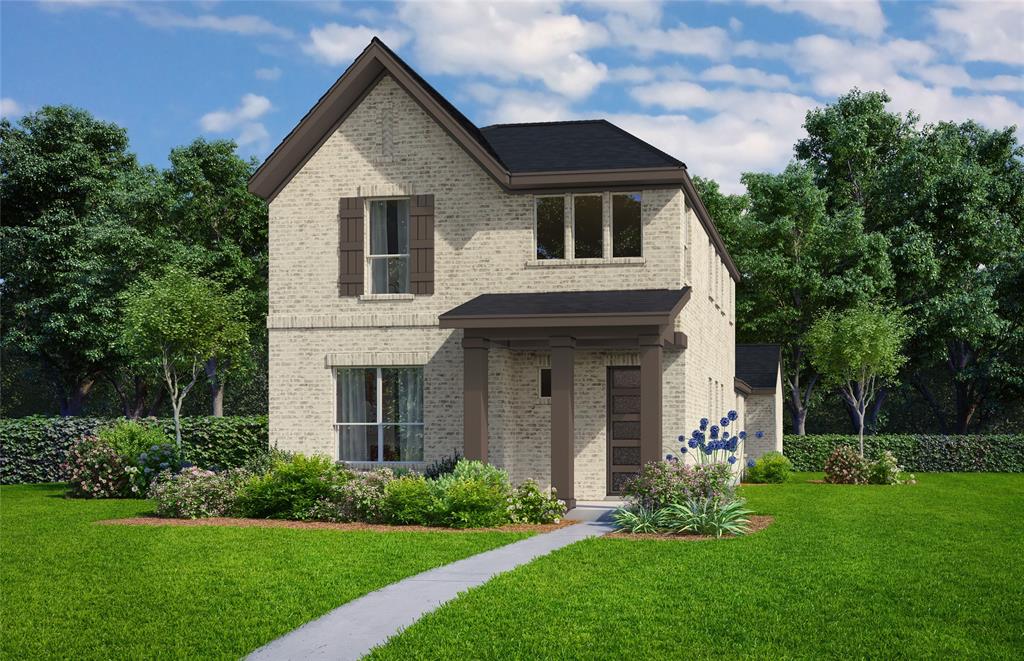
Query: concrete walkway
point(353, 629)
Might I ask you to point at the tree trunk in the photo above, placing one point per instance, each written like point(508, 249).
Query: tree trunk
point(176, 407)
point(71, 402)
point(876, 409)
point(799, 397)
point(925, 392)
point(216, 388)
point(966, 394)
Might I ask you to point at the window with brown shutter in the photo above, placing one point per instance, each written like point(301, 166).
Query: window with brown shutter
point(421, 245)
point(350, 246)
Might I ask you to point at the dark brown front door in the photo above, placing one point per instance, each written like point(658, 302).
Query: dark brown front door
point(623, 426)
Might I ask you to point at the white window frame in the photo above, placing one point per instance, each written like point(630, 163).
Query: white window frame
point(367, 243)
point(566, 240)
point(611, 223)
point(572, 207)
point(379, 424)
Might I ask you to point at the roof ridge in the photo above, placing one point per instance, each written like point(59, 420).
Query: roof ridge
point(551, 123)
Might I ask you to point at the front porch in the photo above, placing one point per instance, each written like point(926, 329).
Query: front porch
point(565, 325)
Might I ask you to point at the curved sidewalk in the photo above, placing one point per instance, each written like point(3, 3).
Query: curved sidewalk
point(353, 629)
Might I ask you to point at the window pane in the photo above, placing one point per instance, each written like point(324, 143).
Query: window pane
point(403, 443)
point(357, 395)
point(402, 394)
point(545, 382)
point(357, 442)
point(390, 275)
point(550, 228)
point(626, 225)
point(389, 227)
point(588, 231)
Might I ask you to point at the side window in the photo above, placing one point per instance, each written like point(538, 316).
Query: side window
point(389, 247)
point(550, 222)
point(626, 225)
point(545, 382)
point(380, 414)
point(588, 226)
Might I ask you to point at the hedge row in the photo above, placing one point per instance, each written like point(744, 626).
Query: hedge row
point(917, 452)
point(33, 449)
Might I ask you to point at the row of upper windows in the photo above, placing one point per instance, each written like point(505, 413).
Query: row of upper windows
point(574, 226)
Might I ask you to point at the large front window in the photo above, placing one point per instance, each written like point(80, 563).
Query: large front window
point(550, 227)
point(380, 414)
point(389, 247)
point(588, 226)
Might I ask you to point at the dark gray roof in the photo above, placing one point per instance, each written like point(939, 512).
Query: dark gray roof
point(582, 303)
point(758, 364)
point(595, 144)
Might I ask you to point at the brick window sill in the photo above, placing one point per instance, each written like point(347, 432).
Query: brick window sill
point(387, 297)
point(584, 263)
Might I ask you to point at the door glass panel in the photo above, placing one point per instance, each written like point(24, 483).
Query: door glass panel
point(629, 378)
point(626, 404)
point(626, 456)
point(625, 431)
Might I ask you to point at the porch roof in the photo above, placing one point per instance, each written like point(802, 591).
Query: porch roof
point(565, 309)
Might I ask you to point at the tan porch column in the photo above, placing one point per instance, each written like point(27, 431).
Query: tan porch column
point(563, 418)
point(474, 398)
point(650, 398)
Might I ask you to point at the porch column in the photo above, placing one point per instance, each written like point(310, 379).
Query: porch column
point(563, 418)
point(474, 398)
point(650, 398)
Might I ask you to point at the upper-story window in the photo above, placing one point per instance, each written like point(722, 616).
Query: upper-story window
point(588, 226)
point(550, 227)
point(389, 246)
point(626, 225)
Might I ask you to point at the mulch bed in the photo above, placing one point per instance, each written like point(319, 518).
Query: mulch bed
point(757, 522)
point(324, 525)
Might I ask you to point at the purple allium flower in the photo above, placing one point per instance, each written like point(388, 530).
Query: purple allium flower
point(750, 463)
point(732, 459)
point(668, 457)
point(692, 443)
point(695, 434)
point(681, 438)
point(759, 434)
point(725, 436)
point(714, 431)
point(733, 415)
point(724, 422)
point(743, 435)
point(703, 424)
point(682, 450)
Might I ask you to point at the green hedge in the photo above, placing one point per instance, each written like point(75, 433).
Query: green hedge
point(917, 452)
point(33, 449)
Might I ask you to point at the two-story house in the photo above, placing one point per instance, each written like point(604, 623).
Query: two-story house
point(552, 298)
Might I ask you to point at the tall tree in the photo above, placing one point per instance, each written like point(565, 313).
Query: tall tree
point(223, 231)
point(855, 351)
point(73, 201)
point(797, 260)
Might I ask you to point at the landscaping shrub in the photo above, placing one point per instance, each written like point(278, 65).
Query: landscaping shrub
point(409, 500)
point(663, 483)
point(639, 519)
point(707, 516)
point(917, 452)
point(96, 470)
point(35, 449)
point(155, 460)
point(130, 439)
point(530, 505)
point(885, 470)
point(196, 493)
point(474, 495)
point(846, 466)
point(771, 467)
point(291, 487)
point(359, 498)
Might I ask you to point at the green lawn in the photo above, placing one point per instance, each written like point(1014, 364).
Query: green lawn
point(932, 570)
point(72, 589)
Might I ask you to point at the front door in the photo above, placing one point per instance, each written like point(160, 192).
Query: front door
point(623, 426)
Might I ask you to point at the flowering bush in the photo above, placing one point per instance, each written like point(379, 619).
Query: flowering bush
point(771, 467)
point(155, 460)
point(885, 470)
point(96, 470)
point(130, 438)
point(714, 445)
point(291, 487)
point(195, 493)
point(409, 500)
point(529, 504)
point(663, 483)
point(359, 498)
point(846, 466)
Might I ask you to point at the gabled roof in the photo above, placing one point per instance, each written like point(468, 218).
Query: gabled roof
point(758, 365)
point(591, 144)
point(519, 157)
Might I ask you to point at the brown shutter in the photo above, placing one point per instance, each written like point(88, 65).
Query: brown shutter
point(350, 246)
point(421, 245)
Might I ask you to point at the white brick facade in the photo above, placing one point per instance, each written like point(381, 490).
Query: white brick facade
point(484, 243)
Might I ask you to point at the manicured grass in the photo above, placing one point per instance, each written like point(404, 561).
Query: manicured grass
point(72, 589)
point(932, 570)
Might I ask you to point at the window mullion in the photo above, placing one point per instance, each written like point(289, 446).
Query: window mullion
point(380, 416)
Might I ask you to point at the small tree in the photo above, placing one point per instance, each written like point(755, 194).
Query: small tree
point(856, 351)
point(179, 321)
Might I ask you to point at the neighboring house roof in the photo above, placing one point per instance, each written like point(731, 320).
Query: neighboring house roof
point(591, 144)
point(616, 159)
point(569, 308)
point(758, 365)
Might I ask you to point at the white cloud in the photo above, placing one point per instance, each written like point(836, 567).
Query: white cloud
point(507, 42)
point(982, 31)
point(735, 24)
point(511, 106)
point(727, 73)
point(268, 73)
point(861, 16)
point(337, 44)
point(711, 42)
point(10, 108)
point(157, 16)
point(251, 133)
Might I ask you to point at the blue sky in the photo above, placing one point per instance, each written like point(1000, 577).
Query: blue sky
point(723, 86)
